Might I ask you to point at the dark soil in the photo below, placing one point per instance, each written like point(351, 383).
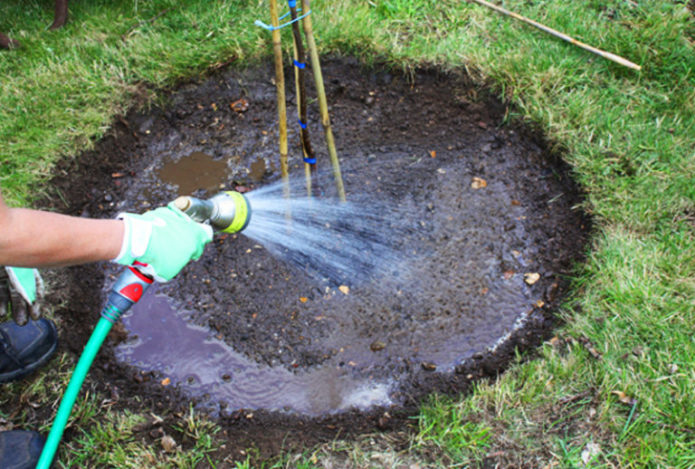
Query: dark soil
point(422, 139)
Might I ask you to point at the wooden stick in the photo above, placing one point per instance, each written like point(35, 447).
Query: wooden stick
point(564, 37)
point(300, 58)
point(321, 92)
point(282, 108)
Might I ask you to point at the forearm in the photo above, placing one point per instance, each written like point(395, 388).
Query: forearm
point(33, 238)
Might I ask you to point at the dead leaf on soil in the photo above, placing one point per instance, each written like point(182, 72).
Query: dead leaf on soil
point(507, 274)
point(433, 153)
point(303, 299)
point(169, 444)
point(594, 353)
point(478, 183)
point(624, 398)
point(240, 105)
point(590, 452)
point(166, 382)
point(344, 288)
point(531, 277)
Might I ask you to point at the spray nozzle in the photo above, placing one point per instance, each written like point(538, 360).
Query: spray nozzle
point(228, 211)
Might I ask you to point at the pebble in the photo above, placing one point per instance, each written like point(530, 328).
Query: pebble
point(377, 345)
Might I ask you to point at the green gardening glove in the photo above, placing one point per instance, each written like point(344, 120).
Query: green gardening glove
point(165, 239)
point(20, 288)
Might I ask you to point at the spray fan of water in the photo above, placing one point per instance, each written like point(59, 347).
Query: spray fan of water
point(335, 242)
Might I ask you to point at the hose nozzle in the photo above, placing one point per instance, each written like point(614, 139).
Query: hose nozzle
point(229, 212)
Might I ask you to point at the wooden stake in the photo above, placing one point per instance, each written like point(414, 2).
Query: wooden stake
point(564, 37)
point(282, 108)
point(300, 58)
point(321, 92)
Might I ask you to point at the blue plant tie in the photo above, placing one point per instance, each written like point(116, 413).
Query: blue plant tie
point(301, 124)
point(310, 160)
point(273, 28)
point(299, 64)
point(292, 3)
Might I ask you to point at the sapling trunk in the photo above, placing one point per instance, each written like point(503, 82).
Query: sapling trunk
point(300, 63)
point(307, 166)
point(323, 105)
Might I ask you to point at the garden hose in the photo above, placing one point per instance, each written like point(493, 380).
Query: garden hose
point(127, 290)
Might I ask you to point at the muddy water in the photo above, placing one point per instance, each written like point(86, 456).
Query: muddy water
point(487, 231)
point(193, 172)
point(206, 367)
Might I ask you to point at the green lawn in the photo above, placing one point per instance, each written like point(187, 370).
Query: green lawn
point(616, 387)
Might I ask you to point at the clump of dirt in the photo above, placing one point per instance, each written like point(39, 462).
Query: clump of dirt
point(498, 234)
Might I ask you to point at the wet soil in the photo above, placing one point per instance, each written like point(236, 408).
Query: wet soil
point(275, 357)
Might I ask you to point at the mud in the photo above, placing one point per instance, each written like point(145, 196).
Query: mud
point(273, 355)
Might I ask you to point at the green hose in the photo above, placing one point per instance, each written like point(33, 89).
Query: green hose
point(127, 291)
point(90, 350)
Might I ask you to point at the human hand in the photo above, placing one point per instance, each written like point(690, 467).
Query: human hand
point(20, 289)
point(165, 239)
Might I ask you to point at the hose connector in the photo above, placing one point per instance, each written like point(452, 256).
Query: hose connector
point(229, 212)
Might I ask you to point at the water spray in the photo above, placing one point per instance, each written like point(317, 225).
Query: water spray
point(229, 212)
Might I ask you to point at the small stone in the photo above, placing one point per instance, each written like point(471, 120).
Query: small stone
point(377, 345)
point(478, 183)
point(531, 277)
point(428, 366)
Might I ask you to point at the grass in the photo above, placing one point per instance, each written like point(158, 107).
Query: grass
point(616, 387)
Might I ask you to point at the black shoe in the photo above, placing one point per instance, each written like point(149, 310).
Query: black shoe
point(23, 349)
point(20, 449)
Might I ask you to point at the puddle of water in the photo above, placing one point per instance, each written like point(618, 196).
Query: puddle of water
point(258, 170)
point(195, 171)
point(206, 366)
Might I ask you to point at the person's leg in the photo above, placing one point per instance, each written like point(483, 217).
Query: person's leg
point(23, 349)
point(20, 449)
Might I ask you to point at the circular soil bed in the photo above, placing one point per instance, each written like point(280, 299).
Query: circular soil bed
point(487, 227)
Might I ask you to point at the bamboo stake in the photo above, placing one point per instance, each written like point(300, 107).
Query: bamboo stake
point(300, 58)
point(564, 37)
point(321, 92)
point(282, 109)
